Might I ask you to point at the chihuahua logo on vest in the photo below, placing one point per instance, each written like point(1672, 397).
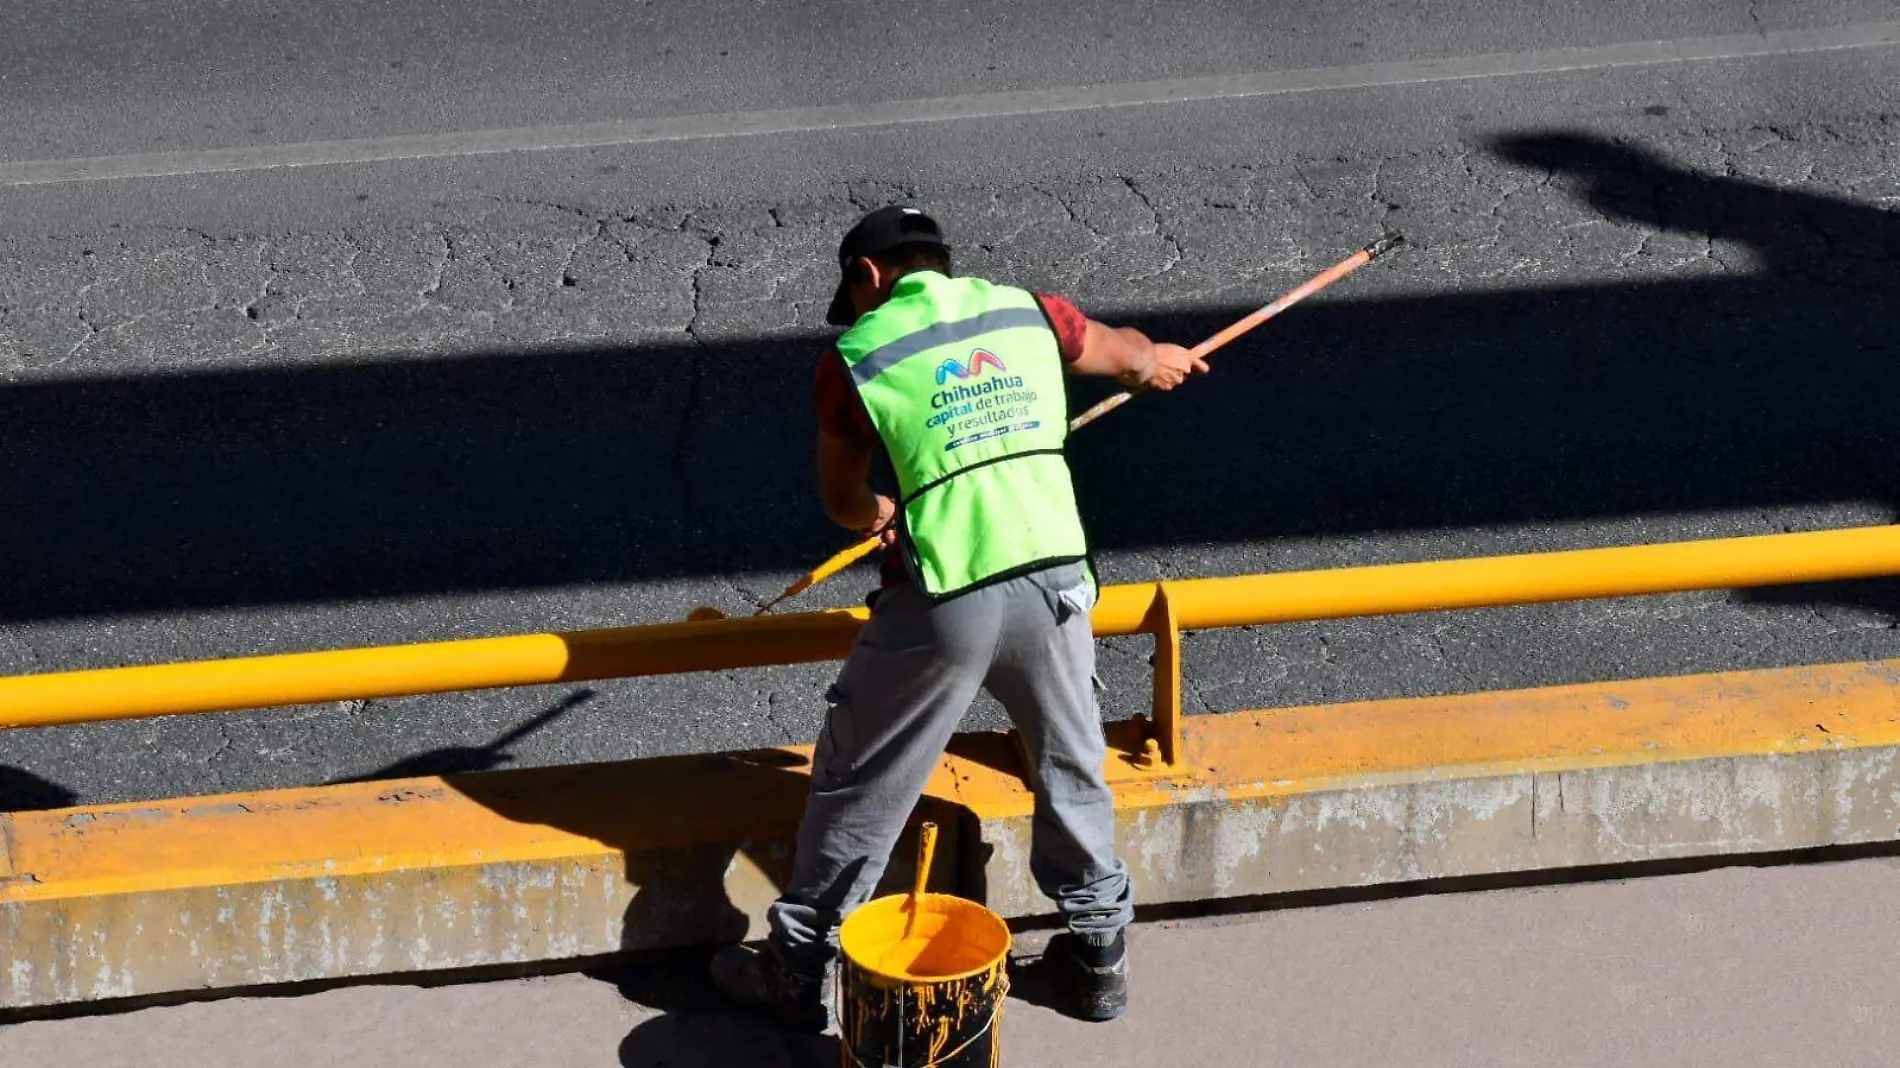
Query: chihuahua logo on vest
point(979, 359)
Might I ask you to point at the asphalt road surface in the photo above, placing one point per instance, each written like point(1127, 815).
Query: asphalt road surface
point(1738, 968)
point(449, 373)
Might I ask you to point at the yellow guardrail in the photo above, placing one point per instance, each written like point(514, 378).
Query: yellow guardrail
point(1163, 609)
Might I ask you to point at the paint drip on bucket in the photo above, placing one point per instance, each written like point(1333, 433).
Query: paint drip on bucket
point(930, 1000)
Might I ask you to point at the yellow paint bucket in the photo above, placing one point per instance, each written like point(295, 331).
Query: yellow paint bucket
point(924, 980)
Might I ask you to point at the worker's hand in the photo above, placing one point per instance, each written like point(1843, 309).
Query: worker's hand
point(1170, 367)
point(885, 528)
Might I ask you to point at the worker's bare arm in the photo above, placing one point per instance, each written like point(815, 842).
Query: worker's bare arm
point(1133, 359)
point(844, 487)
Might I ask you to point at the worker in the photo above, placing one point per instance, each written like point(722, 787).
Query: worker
point(987, 583)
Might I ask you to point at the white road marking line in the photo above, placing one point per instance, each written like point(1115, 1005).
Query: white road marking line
point(629, 132)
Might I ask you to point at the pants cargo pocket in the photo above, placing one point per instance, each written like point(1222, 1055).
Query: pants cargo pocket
point(835, 757)
point(1069, 591)
point(1077, 600)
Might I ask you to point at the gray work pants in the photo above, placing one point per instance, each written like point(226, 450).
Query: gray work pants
point(908, 681)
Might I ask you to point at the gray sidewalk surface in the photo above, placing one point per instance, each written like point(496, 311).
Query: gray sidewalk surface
point(1742, 966)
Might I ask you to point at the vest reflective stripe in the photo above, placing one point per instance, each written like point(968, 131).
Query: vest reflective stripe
point(965, 385)
point(880, 359)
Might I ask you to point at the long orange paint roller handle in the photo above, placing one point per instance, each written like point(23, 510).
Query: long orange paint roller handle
point(1299, 293)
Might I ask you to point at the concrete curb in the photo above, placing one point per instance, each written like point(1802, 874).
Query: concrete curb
point(557, 864)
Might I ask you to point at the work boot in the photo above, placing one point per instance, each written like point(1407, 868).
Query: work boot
point(1095, 977)
point(756, 977)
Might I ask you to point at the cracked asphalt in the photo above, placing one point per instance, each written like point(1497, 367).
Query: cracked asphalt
point(347, 405)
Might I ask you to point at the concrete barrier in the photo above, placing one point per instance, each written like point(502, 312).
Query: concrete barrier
point(566, 864)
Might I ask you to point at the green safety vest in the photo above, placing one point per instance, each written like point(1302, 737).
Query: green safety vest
point(964, 382)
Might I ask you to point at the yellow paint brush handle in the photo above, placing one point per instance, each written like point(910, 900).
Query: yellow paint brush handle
point(843, 559)
point(1106, 406)
point(926, 852)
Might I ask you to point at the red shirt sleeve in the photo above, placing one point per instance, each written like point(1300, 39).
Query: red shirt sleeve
point(841, 411)
point(1070, 325)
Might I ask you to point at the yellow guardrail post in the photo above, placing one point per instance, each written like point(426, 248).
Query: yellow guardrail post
point(1163, 749)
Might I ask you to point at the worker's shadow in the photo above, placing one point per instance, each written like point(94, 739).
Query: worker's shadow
point(682, 889)
point(683, 862)
point(23, 791)
point(694, 1027)
point(684, 859)
point(1806, 315)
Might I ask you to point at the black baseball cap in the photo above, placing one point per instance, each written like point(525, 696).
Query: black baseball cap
point(880, 231)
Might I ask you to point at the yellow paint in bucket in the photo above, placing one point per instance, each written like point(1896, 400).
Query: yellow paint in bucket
point(924, 981)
